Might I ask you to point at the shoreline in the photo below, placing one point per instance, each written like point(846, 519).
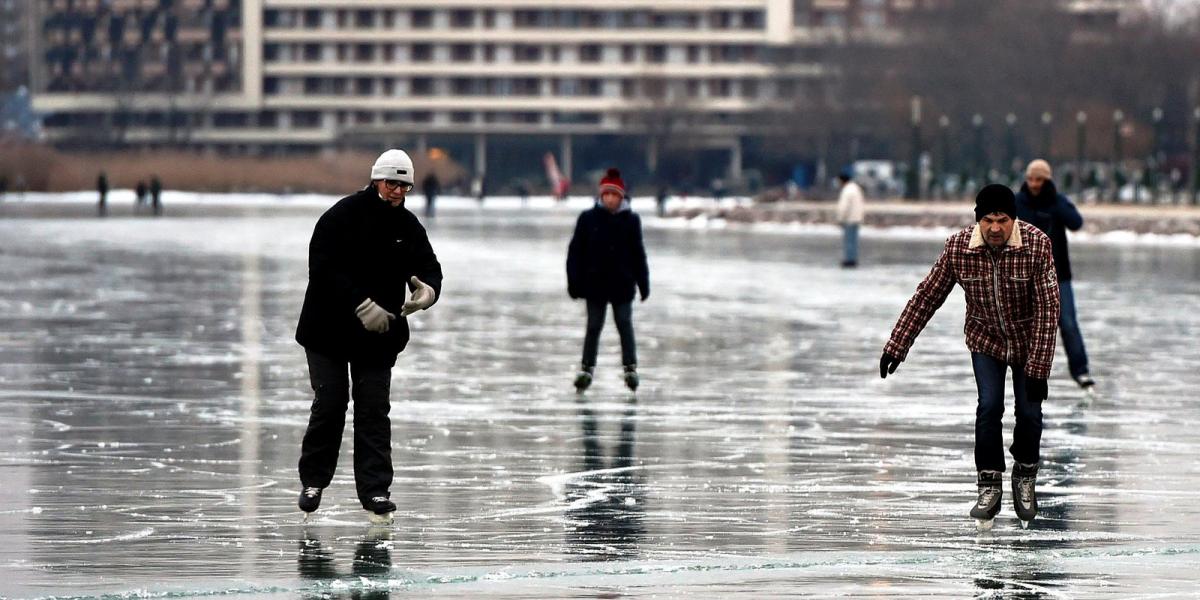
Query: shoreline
point(1175, 225)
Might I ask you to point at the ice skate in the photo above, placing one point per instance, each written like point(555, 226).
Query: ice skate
point(990, 492)
point(1088, 385)
point(309, 501)
point(583, 379)
point(380, 510)
point(1024, 480)
point(631, 377)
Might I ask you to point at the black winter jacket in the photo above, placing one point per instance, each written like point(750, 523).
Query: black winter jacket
point(1052, 213)
point(362, 247)
point(607, 258)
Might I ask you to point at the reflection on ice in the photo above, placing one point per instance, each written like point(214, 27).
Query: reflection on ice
point(153, 402)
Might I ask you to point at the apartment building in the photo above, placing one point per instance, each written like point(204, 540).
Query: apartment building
point(14, 58)
point(517, 77)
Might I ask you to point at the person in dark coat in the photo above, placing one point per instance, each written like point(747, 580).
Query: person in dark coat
point(606, 261)
point(156, 195)
point(364, 250)
point(102, 190)
point(140, 192)
point(431, 187)
point(1040, 205)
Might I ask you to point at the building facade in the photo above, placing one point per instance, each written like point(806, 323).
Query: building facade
point(513, 76)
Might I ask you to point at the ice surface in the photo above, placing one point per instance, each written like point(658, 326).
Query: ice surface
point(152, 402)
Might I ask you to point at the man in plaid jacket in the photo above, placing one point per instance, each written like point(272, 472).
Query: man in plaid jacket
point(1006, 269)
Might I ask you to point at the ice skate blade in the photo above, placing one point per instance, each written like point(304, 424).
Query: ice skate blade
point(384, 519)
point(985, 524)
point(1025, 524)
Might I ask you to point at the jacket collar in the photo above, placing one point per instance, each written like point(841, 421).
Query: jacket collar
point(1014, 240)
point(624, 207)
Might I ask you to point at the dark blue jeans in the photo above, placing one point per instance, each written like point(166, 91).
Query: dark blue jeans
point(989, 429)
point(1077, 360)
point(331, 379)
point(623, 315)
point(850, 243)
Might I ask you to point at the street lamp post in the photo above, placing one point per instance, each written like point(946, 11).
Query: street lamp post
point(1118, 118)
point(1154, 164)
point(1196, 155)
point(1047, 120)
point(944, 125)
point(1010, 143)
point(980, 157)
point(913, 186)
point(1080, 145)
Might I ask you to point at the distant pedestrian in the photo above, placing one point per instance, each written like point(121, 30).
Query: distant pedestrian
point(1040, 205)
point(430, 187)
point(364, 250)
point(606, 261)
point(1006, 269)
point(850, 211)
point(660, 199)
point(478, 189)
point(140, 193)
point(523, 191)
point(156, 195)
point(102, 190)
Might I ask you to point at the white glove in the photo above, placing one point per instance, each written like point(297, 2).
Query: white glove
point(373, 317)
point(422, 297)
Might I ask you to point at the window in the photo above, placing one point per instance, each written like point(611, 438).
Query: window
point(656, 53)
point(422, 86)
point(422, 19)
point(306, 119)
point(422, 52)
point(462, 19)
point(590, 53)
point(527, 53)
point(364, 18)
point(462, 53)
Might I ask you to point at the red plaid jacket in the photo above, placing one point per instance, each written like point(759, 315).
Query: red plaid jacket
point(1012, 298)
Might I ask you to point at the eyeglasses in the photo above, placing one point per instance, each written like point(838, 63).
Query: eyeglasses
point(392, 184)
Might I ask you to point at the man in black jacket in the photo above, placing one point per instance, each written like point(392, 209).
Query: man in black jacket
point(363, 251)
point(1040, 205)
point(605, 261)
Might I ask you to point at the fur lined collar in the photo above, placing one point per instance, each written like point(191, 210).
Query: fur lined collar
point(1014, 240)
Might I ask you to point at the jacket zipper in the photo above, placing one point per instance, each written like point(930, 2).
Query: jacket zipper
point(999, 308)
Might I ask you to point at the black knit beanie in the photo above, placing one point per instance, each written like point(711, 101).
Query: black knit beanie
point(995, 198)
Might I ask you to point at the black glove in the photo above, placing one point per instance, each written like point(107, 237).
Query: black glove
point(645, 294)
point(574, 292)
point(1035, 389)
point(887, 364)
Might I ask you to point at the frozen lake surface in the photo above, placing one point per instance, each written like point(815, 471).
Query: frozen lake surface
point(152, 402)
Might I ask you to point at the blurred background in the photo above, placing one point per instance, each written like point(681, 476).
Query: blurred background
point(760, 98)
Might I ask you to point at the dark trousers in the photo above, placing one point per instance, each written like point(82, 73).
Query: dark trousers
point(989, 434)
point(372, 428)
point(623, 315)
point(1077, 359)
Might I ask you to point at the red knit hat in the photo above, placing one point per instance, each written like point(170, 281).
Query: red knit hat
point(612, 182)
